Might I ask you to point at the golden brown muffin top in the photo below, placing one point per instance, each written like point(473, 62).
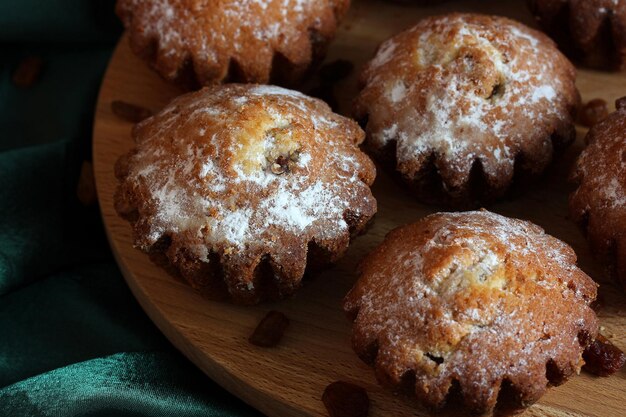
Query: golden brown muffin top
point(462, 88)
point(246, 172)
point(475, 298)
point(599, 202)
point(212, 33)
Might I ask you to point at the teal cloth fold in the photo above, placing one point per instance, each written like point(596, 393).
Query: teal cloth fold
point(123, 384)
point(73, 340)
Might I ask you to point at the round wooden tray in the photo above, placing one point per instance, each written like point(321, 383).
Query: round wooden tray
point(290, 379)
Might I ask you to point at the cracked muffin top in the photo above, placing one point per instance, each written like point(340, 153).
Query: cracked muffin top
point(456, 304)
point(248, 184)
point(202, 42)
point(458, 103)
point(590, 31)
point(599, 202)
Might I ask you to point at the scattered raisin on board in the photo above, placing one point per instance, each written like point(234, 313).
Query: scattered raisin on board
point(603, 358)
point(270, 330)
point(86, 187)
point(343, 399)
point(620, 103)
point(129, 112)
point(27, 71)
point(593, 112)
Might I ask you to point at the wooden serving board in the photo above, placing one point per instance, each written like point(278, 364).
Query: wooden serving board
point(290, 379)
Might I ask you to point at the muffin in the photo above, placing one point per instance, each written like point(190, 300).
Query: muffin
point(239, 188)
point(460, 105)
point(592, 32)
point(598, 204)
point(202, 43)
point(454, 306)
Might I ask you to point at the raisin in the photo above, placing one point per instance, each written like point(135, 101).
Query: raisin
point(129, 112)
point(86, 187)
point(280, 166)
point(284, 163)
point(270, 330)
point(27, 72)
point(343, 399)
point(603, 358)
point(620, 103)
point(584, 338)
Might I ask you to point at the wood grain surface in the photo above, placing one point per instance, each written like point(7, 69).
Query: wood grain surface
point(289, 380)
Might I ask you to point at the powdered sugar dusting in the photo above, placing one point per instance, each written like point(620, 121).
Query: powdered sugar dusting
point(398, 92)
point(449, 87)
point(613, 191)
point(476, 232)
point(602, 168)
point(470, 289)
point(272, 90)
point(278, 163)
point(384, 54)
point(546, 92)
point(211, 32)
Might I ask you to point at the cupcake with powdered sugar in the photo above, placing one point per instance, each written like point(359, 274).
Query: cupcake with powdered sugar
point(472, 308)
point(460, 105)
point(598, 204)
point(207, 42)
point(243, 187)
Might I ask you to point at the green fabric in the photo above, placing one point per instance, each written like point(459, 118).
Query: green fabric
point(73, 341)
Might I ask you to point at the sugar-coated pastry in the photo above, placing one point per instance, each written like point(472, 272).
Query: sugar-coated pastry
point(461, 105)
point(202, 42)
point(599, 202)
point(243, 187)
point(472, 306)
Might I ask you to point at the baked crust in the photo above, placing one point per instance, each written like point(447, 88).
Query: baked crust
point(598, 204)
point(474, 304)
point(590, 31)
point(459, 103)
point(243, 186)
point(205, 42)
